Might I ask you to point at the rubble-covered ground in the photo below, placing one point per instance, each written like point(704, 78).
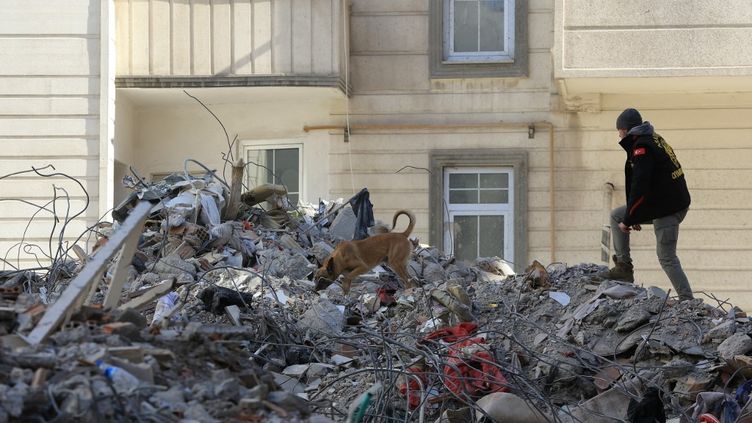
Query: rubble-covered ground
point(237, 332)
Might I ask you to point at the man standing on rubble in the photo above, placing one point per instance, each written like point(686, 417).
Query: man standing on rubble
point(656, 193)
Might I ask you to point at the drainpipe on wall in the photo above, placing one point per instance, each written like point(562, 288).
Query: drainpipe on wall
point(608, 194)
point(492, 125)
point(106, 187)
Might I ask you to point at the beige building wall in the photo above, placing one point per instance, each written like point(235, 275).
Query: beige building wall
point(710, 134)
point(704, 115)
point(50, 105)
point(392, 85)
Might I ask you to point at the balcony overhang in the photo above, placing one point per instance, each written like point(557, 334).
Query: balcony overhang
point(583, 93)
point(320, 81)
point(175, 96)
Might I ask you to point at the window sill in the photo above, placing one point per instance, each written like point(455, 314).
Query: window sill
point(476, 61)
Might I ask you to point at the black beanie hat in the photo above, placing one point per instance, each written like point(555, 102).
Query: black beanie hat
point(628, 119)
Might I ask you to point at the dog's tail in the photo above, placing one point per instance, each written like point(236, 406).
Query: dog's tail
point(410, 225)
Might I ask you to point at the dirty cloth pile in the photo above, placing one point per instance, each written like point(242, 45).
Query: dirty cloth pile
point(218, 321)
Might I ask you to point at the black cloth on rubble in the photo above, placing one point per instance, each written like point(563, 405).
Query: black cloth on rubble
point(361, 205)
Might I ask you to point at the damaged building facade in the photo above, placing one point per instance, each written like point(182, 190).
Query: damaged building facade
point(499, 138)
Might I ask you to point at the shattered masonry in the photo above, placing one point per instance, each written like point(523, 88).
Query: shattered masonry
point(218, 321)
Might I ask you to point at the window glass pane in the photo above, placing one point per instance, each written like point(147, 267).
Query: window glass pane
point(491, 234)
point(492, 25)
point(494, 180)
point(465, 26)
point(494, 196)
point(463, 180)
point(466, 237)
point(286, 168)
point(257, 175)
point(463, 197)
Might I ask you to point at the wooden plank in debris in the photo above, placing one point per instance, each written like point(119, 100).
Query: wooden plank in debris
point(121, 267)
point(150, 295)
point(79, 287)
point(236, 188)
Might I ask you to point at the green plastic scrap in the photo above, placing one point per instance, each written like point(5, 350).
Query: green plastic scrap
point(359, 406)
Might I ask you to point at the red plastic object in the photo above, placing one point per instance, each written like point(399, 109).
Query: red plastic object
point(411, 388)
point(386, 296)
point(708, 418)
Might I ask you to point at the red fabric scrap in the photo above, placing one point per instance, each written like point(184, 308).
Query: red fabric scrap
point(454, 333)
point(476, 374)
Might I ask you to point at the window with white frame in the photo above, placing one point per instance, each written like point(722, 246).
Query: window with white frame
point(479, 31)
point(479, 212)
point(275, 163)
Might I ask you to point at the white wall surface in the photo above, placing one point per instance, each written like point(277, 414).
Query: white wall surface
point(168, 127)
point(49, 114)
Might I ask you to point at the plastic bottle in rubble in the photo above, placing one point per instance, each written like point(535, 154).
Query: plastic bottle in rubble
point(121, 379)
point(165, 305)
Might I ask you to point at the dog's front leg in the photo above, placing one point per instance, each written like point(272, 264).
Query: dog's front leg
point(401, 270)
point(348, 277)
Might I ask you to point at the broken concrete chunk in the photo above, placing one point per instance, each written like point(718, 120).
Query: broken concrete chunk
point(323, 317)
point(341, 360)
point(654, 291)
point(343, 226)
point(296, 370)
point(434, 272)
point(285, 263)
point(508, 407)
point(722, 331)
point(289, 402)
point(321, 250)
point(620, 290)
point(173, 265)
point(691, 385)
point(736, 344)
point(288, 383)
point(233, 313)
point(560, 297)
point(632, 319)
point(677, 368)
point(316, 370)
point(461, 310)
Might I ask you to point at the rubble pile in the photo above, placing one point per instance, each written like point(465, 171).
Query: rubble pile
point(218, 320)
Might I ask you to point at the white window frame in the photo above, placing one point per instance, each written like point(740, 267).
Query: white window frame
point(505, 56)
point(489, 209)
point(254, 145)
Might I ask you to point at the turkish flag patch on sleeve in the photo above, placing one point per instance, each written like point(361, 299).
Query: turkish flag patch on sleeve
point(638, 151)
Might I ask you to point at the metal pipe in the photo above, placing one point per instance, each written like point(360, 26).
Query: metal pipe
point(372, 127)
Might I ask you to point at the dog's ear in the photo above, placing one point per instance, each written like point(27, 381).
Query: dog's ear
point(329, 265)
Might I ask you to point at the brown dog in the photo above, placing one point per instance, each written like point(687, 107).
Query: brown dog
point(353, 258)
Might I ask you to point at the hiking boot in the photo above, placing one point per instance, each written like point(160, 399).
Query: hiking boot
point(620, 272)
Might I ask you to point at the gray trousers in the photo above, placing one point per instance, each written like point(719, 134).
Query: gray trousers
point(666, 235)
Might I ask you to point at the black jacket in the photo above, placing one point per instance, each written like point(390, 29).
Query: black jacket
point(654, 178)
